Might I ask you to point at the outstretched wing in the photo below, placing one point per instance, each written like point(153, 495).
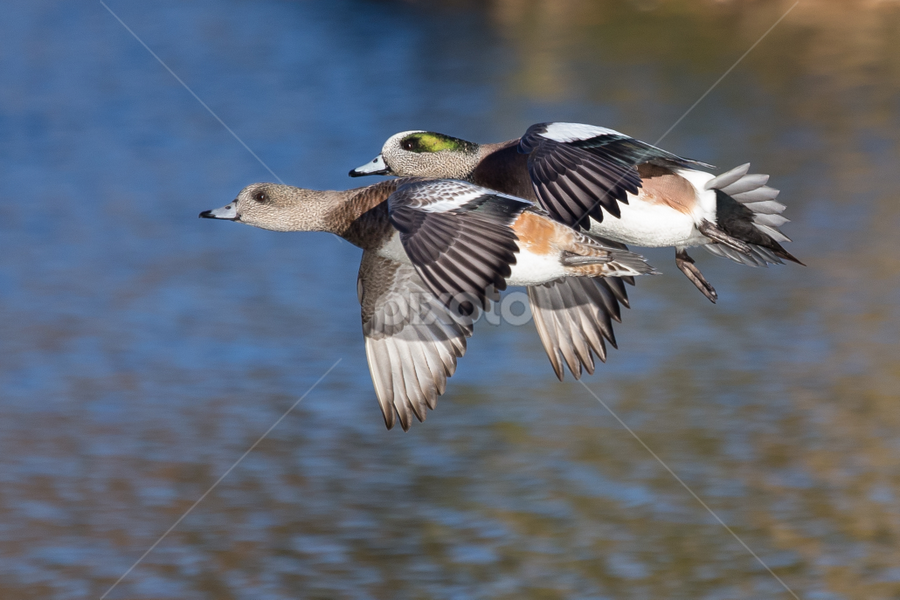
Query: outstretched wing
point(577, 170)
point(412, 339)
point(574, 316)
point(459, 239)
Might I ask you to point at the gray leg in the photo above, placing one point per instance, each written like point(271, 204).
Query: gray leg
point(686, 264)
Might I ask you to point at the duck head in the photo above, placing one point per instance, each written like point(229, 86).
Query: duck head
point(423, 154)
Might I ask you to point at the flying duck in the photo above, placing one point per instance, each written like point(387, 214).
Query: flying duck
point(435, 253)
point(613, 186)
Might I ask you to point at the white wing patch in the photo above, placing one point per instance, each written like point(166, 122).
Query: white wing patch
point(447, 194)
point(444, 196)
point(573, 132)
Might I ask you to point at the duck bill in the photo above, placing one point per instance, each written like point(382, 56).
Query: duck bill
point(227, 212)
point(375, 167)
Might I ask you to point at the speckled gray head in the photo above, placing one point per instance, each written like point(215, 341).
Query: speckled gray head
point(423, 154)
point(276, 207)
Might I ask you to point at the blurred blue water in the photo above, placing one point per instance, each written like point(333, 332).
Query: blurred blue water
point(144, 350)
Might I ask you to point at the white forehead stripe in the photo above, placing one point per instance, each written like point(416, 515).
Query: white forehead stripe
point(572, 132)
point(394, 140)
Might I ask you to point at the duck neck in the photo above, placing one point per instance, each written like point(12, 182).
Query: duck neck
point(361, 217)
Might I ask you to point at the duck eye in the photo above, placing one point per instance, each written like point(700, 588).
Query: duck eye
point(260, 197)
point(408, 144)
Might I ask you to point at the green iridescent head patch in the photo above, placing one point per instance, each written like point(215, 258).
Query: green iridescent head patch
point(426, 141)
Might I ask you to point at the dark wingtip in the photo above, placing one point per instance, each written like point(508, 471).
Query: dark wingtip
point(589, 365)
point(558, 369)
point(358, 173)
point(788, 256)
point(388, 420)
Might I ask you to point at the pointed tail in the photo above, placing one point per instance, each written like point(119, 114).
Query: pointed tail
point(746, 209)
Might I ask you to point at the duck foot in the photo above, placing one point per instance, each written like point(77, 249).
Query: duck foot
point(686, 264)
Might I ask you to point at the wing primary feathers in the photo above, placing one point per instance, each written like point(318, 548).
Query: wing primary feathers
point(413, 341)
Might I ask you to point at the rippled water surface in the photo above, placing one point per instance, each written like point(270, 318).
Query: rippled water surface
point(144, 350)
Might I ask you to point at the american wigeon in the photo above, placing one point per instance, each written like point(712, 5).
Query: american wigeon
point(435, 253)
point(579, 172)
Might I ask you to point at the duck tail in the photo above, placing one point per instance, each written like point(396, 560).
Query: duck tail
point(746, 209)
point(587, 257)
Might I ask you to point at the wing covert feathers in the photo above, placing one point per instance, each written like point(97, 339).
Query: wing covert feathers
point(459, 238)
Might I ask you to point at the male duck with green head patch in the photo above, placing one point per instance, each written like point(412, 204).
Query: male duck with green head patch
point(612, 185)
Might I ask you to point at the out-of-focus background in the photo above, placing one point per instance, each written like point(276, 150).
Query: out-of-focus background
point(145, 350)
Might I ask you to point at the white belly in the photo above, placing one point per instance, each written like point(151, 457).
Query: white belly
point(535, 269)
point(651, 225)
